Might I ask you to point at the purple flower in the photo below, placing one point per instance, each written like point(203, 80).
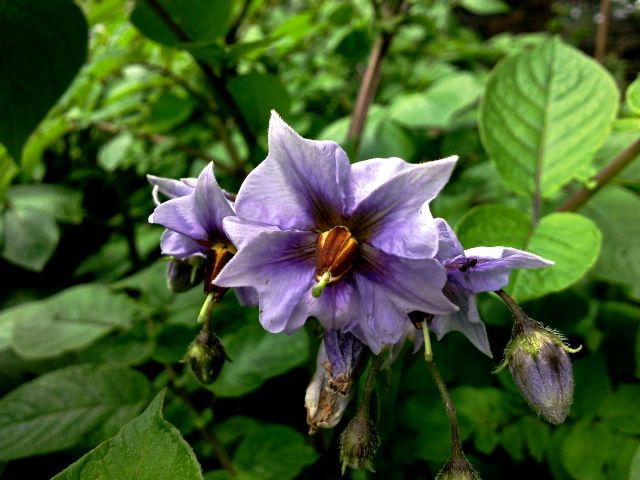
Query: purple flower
point(193, 218)
point(471, 271)
point(350, 245)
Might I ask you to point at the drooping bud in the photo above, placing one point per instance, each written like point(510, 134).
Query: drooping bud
point(206, 356)
point(184, 273)
point(540, 366)
point(457, 468)
point(218, 256)
point(336, 250)
point(330, 389)
point(359, 442)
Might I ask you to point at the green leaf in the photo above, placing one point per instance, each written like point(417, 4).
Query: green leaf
point(55, 411)
point(169, 111)
point(148, 447)
point(620, 409)
point(257, 356)
point(114, 153)
point(44, 44)
point(484, 7)
point(199, 21)
point(633, 96)
point(571, 241)
point(257, 94)
point(614, 209)
point(490, 225)
point(273, 452)
point(545, 114)
point(61, 203)
point(70, 320)
point(436, 106)
point(30, 237)
point(8, 170)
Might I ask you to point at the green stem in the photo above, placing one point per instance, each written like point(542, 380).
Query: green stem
point(205, 311)
point(369, 384)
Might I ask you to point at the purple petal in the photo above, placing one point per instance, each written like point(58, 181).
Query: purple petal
point(178, 245)
point(414, 284)
point(280, 267)
point(395, 217)
point(240, 231)
point(172, 188)
point(198, 215)
point(247, 297)
point(493, 266)
point(370, 174)
point(302, 184)
point(466, 320)
point(448, 244)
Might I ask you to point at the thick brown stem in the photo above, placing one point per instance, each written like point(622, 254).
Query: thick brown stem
point(602, 30)
point(578, 199)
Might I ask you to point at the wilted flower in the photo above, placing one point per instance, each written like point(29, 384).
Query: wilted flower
point(352, 246)
point(193, 218)
point(359, 442)
point(206, 356)
point(471, 271)
point(330, 389)
point(540, 366)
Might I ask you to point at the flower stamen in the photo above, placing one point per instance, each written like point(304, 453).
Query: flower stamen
point(336, 251)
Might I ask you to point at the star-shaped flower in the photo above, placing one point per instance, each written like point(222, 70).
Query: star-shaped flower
point(193, 218)
point(351, 245)
point(471, 271)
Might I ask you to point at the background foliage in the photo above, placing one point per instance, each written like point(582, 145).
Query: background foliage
point(96, 93)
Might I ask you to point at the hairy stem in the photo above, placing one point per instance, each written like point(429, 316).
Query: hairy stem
point(579, 198)
point(456, 444)
point(369, 385)
point(602, 31)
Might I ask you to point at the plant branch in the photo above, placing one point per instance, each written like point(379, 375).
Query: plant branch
point(209, 437)
point(456, 444)
point(602, 30)
point(232, 33)
point(579, 198)
point(370, 382)
point(370, 82)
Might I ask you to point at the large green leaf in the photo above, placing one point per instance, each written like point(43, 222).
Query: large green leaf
point(199, 21)
point(273, 452)
point(30, 237)
point(70, 320)
point(61, 203)
point(633, 96)
point(148, 447)
point(615, 211)
point(570, 240)
point(257, 356)
point(544, 115)
point(55, 411)
point(43, 46)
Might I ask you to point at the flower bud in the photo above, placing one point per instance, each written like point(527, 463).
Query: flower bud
point(206, 356)
point(359, 442)
point(540, 366)
point(184, 274)
point(457, 468)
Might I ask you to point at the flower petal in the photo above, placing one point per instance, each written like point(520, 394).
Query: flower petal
point(241, 231)
point(198, 215)
point(279, 265)
point(448, 244)
point(370, 174)
point(493, 266)
point(247, 297)
point(170, 187)
point(178, 245)
point(466, 320)
point(302, 184)
point(395, 217)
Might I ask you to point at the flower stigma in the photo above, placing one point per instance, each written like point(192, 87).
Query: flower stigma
point(336, 251)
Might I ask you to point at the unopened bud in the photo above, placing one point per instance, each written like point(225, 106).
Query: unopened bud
point(540, 366)
point(359, 442)
point(184, 274)
point(206, 356)
point(457, 468)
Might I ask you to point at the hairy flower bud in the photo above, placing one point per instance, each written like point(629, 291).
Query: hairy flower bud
point(184, 273)
point(539, 364)
point(206, 356)
point(359, 442)
point(457, 468)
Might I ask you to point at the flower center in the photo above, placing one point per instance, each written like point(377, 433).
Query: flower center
point(218, 256)
point(336, 250)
